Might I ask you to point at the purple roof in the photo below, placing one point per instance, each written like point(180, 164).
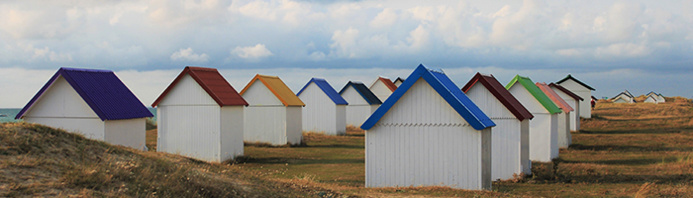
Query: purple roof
point(107, 96)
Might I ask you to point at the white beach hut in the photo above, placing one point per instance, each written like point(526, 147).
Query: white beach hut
point(623, 97)
point(94, 103)
point(382, 88)
point(573, 100)
point(325, 110)
point(581, 89)
point(200, 115)
point(543, 128)
point(651, 99)
point(428, 133)
point(510, 137)
point(274, 113)
point(362, 102)
point(564, 137)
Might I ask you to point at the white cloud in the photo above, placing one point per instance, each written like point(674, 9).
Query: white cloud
point(623, 50)
point(344, 43)
point(252, 52)
point(189, 55)
point(384, 19)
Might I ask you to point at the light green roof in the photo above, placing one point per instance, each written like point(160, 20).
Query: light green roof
point(536, 92)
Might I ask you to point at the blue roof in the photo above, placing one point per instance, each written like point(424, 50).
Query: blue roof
point(327, 89)
point(446, 88)
point(102, 90)
point(366, 93)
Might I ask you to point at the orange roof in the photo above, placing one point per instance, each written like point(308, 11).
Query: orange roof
point(278, 88)
point(554, 97)
point(212, 82)
point(388, 83)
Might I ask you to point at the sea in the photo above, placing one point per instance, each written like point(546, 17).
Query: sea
point(8, 114)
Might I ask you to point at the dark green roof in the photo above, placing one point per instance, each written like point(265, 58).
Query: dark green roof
point(536, 92)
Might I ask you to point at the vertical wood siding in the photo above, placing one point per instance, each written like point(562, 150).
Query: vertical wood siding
point(422, 141)
point(563, 130)
point(267, 119)
point(585, 106)
point(507, 141)
point(128, 132)
point(62, 107)
point(265, 124)
point(231, 137)
point(189, 122)
point(543, 128)
point(294, 125)
point(358, 109)
point(321, 114)
point(575, 104)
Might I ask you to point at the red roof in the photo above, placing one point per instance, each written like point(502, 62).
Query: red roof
point(502, 94)
point(554, 97)
point(212, 82)
point(566, 91)
point(388, 83)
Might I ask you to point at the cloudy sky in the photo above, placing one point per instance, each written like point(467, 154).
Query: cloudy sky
point(611, 45)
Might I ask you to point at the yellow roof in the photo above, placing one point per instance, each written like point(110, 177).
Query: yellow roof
point(280, 90)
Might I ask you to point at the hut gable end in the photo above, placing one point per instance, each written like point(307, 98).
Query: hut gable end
point(60, 92)
point(491, 85)
point(187, 92)
point(212, 82)
point(444, 88)
point(538, 95)
point(276, 87)
point(257, 94)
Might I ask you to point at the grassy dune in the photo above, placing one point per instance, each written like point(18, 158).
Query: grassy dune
point(625, 150)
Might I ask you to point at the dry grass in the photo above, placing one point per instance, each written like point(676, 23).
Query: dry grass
point(42, 161)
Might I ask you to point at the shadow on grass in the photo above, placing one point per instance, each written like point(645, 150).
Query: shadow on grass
point(610, 147)
point(620, 161)
point(638, 131)
point(296, 161)
point(335, 146)
point(633, 179)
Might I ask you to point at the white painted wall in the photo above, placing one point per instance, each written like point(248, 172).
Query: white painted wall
point(190, 124)
point(583, 92)
point(60, 106)
point(358, 109)
point(507, 141)
point(321, 114)
point(422, 141)
point(294, 125)
point(127, 132)
point(564, 138)
point(575, 104)
point(543, 128)
point(380, 90)
point(268, 120)
point(650, 100)
point(231, 137)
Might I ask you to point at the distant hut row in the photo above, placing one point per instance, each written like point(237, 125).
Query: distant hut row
point(627, 97)
point(409, 122)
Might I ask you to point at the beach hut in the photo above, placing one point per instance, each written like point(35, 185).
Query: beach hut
point(510, 137)
point(274, 113)
point(200, 115)
point(623, 97)
point(362, 102)
point(573, 100)
point(428, 133)
point(661, 98)
point(651, 99)
point(564, 137)
point(543, 128)
point(94, 103)
point(382, 88)
point(398, 81)
point(325, 110)
point(581, 89)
